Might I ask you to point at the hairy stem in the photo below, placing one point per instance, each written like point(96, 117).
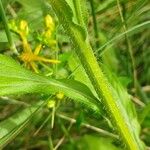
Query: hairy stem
point(100, 83)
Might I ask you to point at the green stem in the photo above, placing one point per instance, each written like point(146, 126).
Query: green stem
point(95, 24)
point(5, 22)
point(50, 142)
point(85, 53)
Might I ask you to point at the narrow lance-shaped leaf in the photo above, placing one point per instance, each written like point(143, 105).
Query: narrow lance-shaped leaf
point(15, 79)
point(103, 88)
point(12, 126)
point(80, 13)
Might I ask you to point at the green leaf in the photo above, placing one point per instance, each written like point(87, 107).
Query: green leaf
point(79, 72)
point(130, 32)
point(12, 126)
point(32, 13)
point(90, 142)
point(3, 37)
point(80, 13)
point(15, 79)
point(126, 103)
point(68, 14)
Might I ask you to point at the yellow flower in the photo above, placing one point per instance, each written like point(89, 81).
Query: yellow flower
point(28, 56)
point(60, 95)
point(49, 30)
point(51, 103)
point(49, 23)
point(24, 30)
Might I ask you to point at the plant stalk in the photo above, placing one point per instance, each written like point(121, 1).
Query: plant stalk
point(8, 33)
point(100, 83)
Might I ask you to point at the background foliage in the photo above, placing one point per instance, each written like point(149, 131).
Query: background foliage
point(76, 120)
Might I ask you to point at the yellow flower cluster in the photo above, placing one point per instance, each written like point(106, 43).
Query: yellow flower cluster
point(49, 29)
point(52, 102)
point(28, 56)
